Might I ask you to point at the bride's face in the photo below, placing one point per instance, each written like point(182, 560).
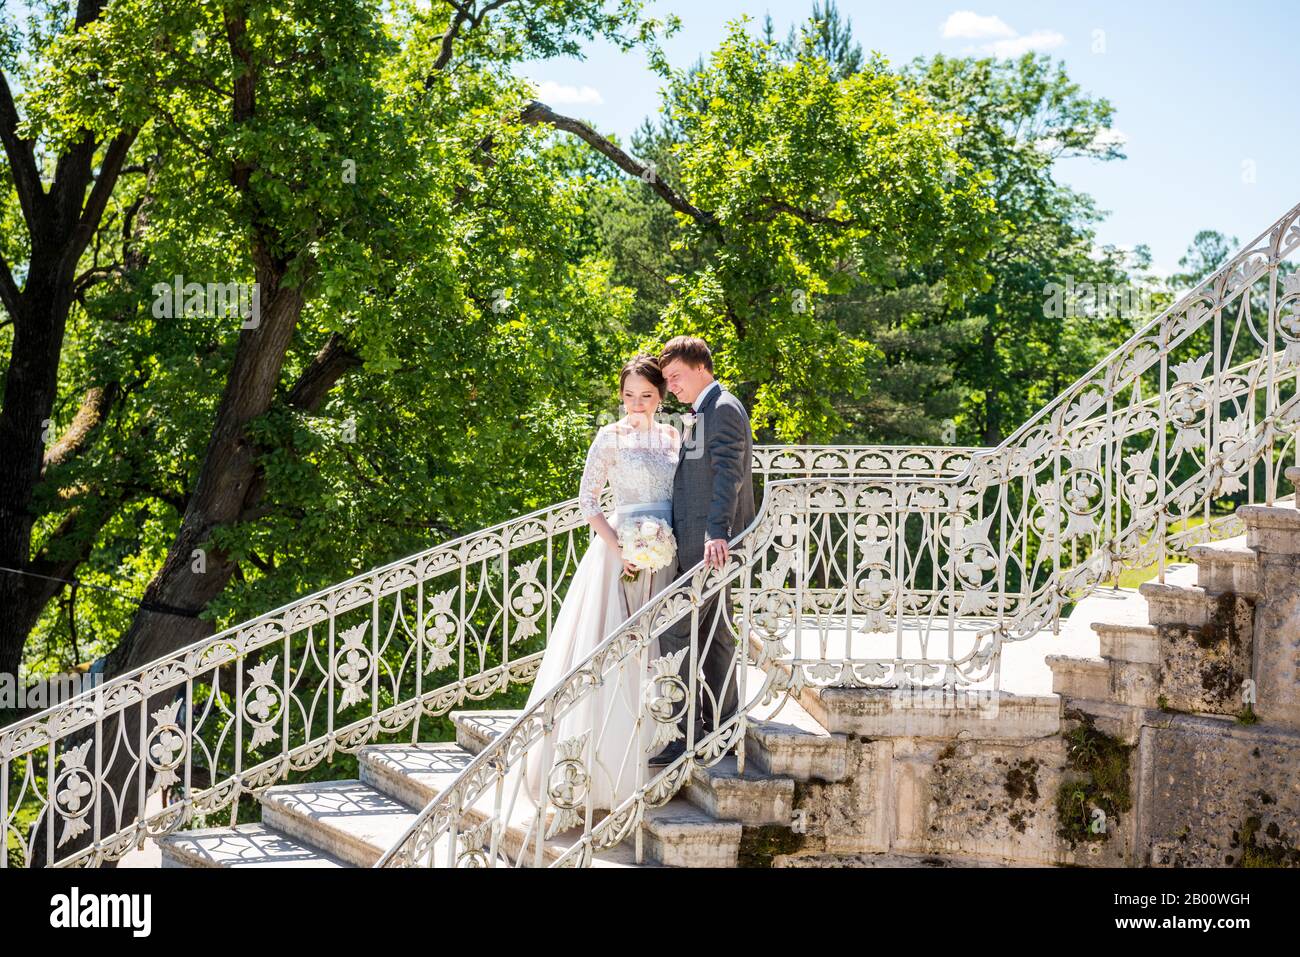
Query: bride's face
point(639, 395)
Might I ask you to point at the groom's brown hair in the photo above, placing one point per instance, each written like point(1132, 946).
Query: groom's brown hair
point(692, 350)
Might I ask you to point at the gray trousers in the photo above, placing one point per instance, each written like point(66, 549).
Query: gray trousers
point(719, 658)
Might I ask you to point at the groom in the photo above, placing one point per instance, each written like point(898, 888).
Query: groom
point(713, 502)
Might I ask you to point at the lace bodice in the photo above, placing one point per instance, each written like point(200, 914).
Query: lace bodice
point(638, 465)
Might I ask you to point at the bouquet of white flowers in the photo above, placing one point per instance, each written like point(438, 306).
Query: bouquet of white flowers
point(647, 543)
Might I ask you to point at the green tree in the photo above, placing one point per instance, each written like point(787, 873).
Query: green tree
point(933, 353)
point(1019, 118)
point(1208, 250)
point(423, 327)
point(379, 200)
point(787, 186)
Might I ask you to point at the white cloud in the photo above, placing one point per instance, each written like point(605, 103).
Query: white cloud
point(553, 93)
point(1000, 38)
point(968, 25)
point(1016, 46)
point(1109, 137)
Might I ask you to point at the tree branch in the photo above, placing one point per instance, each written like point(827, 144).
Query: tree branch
point(775, 206)
point(92, 276)
point(22, 158)
point(464, 14)
point(264, 565)
point(94, 408)
point(9, 292)
point(325, 369)
point(539, 113)
point(329, 365)
point(93, 211)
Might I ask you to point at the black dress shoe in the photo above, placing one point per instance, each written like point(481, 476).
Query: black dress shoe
point(668, 755)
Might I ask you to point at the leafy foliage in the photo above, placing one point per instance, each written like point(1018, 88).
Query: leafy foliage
point(867, 260)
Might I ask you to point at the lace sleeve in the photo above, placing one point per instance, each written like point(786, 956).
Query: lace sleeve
point(594, 474)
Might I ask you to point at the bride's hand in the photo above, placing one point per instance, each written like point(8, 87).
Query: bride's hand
point(629, 568)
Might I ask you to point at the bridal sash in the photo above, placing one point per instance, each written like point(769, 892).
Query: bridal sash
point(660, 510)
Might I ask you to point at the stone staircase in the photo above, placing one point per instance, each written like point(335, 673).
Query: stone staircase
point(860, 777)
point(1199, 678)
point(719, 819)
point(1187, 644)
point(834, 777)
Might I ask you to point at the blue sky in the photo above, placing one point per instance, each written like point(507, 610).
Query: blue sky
point(1204, 94)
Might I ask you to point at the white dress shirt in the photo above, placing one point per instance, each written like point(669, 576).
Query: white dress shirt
point(699, 399)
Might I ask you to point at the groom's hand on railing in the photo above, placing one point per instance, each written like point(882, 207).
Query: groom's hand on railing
point(715, 552)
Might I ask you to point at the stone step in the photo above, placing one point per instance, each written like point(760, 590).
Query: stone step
point(936, 713)
point(621, 855)
point(1274, 529)
point(413, 774)
point(474, 729)
point(416, 774)
point(1101, 679)
point(518, 834)
point(243, 846)
point(1226, 566)
point(1119, 721)
point(1179, 573)
point(679, 834)
point(783, 746)
point(701, 835)
point(1080, 677)
point(1135, 683)
point(429, 768)
point(1168, 604)
point(781, 739)
point(754, 798)
point(349, 820)
point(1128, 642)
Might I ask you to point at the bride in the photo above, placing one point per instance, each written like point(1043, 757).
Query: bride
point(606, 732)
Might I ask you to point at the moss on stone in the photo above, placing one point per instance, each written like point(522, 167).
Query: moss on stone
point(1278, 851)
point(759, 845)
point(1022, 781)
point(1100, 779)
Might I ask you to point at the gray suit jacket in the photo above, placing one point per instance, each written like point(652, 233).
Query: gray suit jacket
point(713, 490)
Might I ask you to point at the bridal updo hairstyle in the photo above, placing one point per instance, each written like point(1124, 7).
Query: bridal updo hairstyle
point(647, 367)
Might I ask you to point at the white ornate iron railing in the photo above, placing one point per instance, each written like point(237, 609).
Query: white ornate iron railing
point(240, 711)
point(495, 813)
point(1090, 485)
point(1195, 408)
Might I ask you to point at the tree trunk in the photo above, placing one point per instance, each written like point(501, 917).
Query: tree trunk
point(60, 223)
point(230, 488)
point(60, 227)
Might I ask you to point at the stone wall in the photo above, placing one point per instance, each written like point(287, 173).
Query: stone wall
point(1215, 793)
point(1202, 667)
point(975, 799)
point(1209, 778)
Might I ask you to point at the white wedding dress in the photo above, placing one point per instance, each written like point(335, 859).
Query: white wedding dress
point(609, 730)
